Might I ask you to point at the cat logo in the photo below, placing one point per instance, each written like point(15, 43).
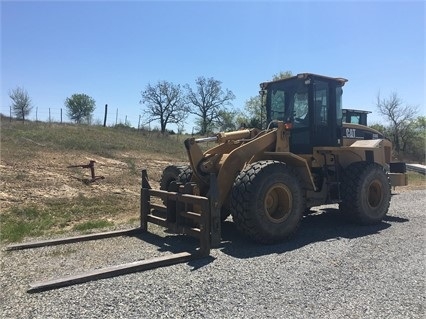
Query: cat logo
point(350, 133)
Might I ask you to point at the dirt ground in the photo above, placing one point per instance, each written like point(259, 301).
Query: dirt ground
point(35, 179)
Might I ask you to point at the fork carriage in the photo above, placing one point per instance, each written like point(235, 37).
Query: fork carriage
point(184, 213)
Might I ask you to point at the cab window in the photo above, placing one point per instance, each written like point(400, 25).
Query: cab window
point(321, 103)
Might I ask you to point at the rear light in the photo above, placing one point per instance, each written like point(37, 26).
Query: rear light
point(288, 126)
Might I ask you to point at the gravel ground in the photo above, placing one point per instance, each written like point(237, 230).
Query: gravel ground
point(330, 269)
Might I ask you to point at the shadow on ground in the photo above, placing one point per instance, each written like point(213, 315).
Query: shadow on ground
point(324, 225)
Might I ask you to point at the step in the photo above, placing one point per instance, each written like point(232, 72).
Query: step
point(191, 215)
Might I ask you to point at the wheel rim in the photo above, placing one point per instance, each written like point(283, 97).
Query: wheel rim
point(278, 203)
point(375, 194)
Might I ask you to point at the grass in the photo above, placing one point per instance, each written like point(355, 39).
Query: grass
point(27, 138)
point(59, 215)
point(416, 179)
point(131, 164)
point(22, 143)
point(92, 224)
point(24, 221)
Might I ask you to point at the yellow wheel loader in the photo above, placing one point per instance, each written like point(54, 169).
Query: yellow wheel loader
point(307, 156)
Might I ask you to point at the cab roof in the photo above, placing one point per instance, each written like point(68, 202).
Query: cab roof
point(341, 81)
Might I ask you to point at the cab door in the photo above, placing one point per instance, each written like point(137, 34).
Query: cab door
point(325, 117)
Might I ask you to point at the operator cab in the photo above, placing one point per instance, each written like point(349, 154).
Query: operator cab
point(355, 116)
point(311, 104)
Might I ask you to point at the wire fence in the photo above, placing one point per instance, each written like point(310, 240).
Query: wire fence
point(59, 115)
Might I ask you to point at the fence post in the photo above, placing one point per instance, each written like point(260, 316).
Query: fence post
point(105, 116)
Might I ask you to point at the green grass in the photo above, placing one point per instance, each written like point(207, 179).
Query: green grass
point(57, 215)
point(26, 221)
point(131, 164)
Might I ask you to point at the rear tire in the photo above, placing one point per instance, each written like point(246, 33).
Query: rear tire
point(267, 202)
point(170, 174)
point(185, 174)
point(366, 193)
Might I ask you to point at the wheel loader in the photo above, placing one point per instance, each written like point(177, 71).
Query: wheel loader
point(306, 156)
point(354, 127)
point(265, 178)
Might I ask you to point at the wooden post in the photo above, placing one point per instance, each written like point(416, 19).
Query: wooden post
point(105, 116)
point(144, 202)
point(61, 115)
point(144, 209)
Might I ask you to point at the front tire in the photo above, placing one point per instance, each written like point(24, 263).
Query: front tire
point(267, 202)
point(366, 193)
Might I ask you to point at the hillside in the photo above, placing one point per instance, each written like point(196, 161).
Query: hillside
point(39, 193)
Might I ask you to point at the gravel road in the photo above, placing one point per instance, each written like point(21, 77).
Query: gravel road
point(330, 269)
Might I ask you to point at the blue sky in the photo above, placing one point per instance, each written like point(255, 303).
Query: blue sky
point(112, 50)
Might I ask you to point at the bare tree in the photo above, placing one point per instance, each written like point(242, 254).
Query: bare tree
point(208, 100)
point(21, 102)
point(164, 102)
point(399, 116)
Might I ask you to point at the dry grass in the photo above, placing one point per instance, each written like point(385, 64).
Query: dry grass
point(39, 194)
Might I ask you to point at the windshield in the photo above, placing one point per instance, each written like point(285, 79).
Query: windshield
point(288, 102)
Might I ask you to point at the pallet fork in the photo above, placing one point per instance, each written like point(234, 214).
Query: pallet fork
point(184, 213)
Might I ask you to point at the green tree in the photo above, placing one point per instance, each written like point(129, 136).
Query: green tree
point(381, 128)
point(21, 102)
point(164, 102)
point(255, 114)
point(208, 100)
point(282, 75)
point(80, 107)
point(227, 120)
point(415, 146)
